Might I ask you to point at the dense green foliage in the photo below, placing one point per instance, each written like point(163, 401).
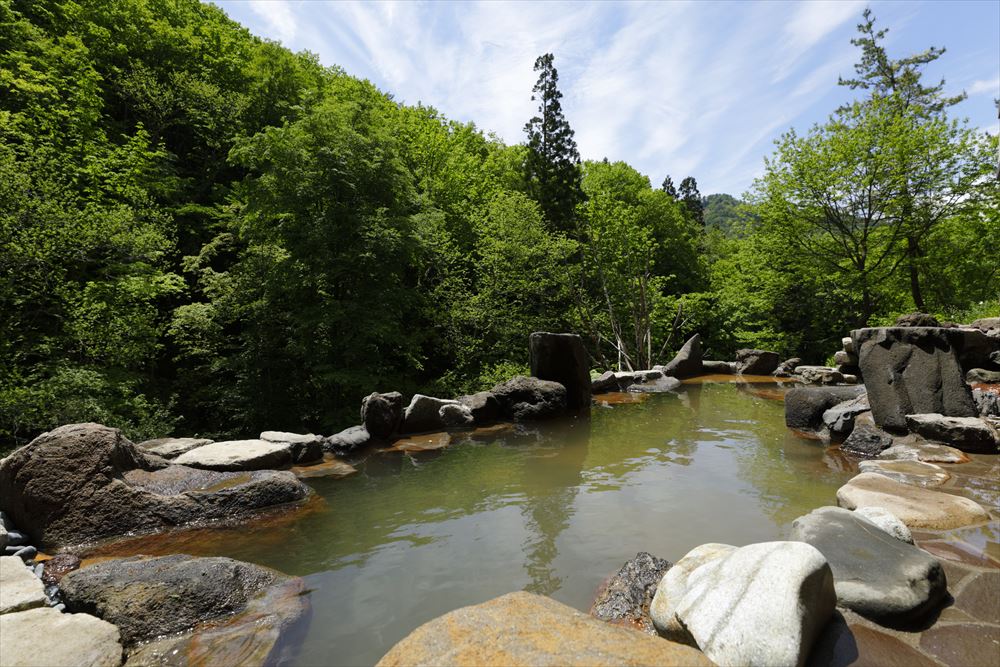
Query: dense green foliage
point(202, 232)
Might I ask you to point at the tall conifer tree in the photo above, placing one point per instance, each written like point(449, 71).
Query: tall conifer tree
point(552, 165)
point(691, 198)
point(668, 187)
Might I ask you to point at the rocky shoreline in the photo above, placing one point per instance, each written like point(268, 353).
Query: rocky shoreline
point(764, 604)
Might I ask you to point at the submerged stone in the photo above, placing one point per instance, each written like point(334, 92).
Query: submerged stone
point(916, 507)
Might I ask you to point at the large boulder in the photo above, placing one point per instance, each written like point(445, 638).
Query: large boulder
point(347, 441)
point(304, 448)
point(47, 637)
point(526, 629)
point(819, 375)
point(381, 414)
point(226, 611)
point(874, 573)
point(718, 367)
point(687, 362)
point(231, 455)
point(756, 362)
point(484, 406)
point(528, 398)
point(762, 604)
point(970, 434)
point(171, 448)
point(20, 589)
point(562, 358)
point(457, 415)
point(839, 419)
point(606, 381)
point(866, 440)
point(804, 406)
point(916, 507)
point(913, 370)
point(85, 482)
point(917, 320)
point(423, 414)
point(627, 596)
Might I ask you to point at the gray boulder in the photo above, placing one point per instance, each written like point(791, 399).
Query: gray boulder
point(866, 440)
point(457, 415)
point(987, 402)
point(887, 521)
point(913, 370)
point(917, 320)
point(606, 382)
point(844, 358)
point(718, 367)
point(819, 375)
point(484, 406)
point(47, 637)
point(805, 406)
point(528, 398)
point(988, 325)
point(19, 586)
point(347, 441)
point(787, 367)
point(628, 594)
point(970, 434)
point(655, 386)
point(562, 358)
point(221, 607)
point(85, 482)
point(423, 414)
point(756, 362)
point(381, 414)
point(171, 448)
point(231, 455)
point(304, 448)
point(839, 419)
point(982, 376)
point(687, 362)
point(874, 573)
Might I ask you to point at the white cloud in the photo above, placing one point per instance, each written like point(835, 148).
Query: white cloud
point(278, 17)
point(985, 86)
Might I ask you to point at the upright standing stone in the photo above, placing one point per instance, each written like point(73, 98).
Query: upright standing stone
point(688, 361)
point(382, 413)
point(562, 358)
point(912, 370)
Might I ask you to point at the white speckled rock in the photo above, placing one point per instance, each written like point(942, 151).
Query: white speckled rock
point(887, 521)
point(171, 448)
point(20, 589)
point(762, 604)
point(48, 638)
point(238, 455)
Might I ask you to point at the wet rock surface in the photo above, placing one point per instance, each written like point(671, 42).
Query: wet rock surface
point(916, 507)
point(85, 482)
point(912, 472)
point(527, 629)
point(839, 419)
point(874, 573)
point(628, 594)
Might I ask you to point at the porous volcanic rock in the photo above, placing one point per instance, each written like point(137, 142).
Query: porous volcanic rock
point(484, 406)
point(756, 362)
point(85, 482)
point(561, 357)
point(527, 629)
point(628, 594)
point(349, 440)
point(839, 419)
point(527, 398)
point(804, 406)
point(381, 414)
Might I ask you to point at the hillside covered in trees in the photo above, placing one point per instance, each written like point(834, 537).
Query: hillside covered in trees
point(203, 232)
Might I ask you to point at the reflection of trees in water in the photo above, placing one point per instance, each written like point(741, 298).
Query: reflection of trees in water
point(551, 482)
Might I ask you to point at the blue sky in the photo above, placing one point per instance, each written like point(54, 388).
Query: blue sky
point(681, 88)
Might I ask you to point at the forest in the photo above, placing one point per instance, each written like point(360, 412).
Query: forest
point(202, 232)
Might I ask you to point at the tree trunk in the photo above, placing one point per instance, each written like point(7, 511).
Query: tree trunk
point(912, 252)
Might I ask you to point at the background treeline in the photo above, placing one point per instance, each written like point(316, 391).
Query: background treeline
point(203, 232)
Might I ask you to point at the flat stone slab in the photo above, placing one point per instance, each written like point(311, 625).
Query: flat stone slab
point(915, 448)
point(526, 629)
point(171, 448)
point(965, 644)
point(874, 573)
point(916, 507)
point(20, 589)
point(238, 455)
point(908, 471)
point(47, 637)
point(970, 434)
point(843, 645)
point(655, 386)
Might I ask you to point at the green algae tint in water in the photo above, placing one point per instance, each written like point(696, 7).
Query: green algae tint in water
point(555, 511)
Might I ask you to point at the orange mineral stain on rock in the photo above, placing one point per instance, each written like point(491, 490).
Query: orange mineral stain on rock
point(620, 398)
point(330, 467)
point(421, 443)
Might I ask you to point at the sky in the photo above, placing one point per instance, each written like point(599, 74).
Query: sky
point(681, 88)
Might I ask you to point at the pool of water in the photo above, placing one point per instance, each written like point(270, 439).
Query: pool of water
point(554, 508)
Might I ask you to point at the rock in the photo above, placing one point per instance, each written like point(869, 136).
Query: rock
point(804, 406)
point(625, 379)
point(424, 442)
point(657, 386)
point(526, 629)
point(232, 455)
point(874, 574)
point(717, 367)
point(171, 448)
point(915, 448)
point(912, 472)
point(819, 375)
point(987, 325)
point(970, 434)
point(687, 362)
point(988, 402)
point(59, 566)
point(674, 584)
point(347, 441)
point(423, 414)
point(966, 644)
point(787, 367)
point(982, 376)
point(762, 604)
point(866, 439)
point(848, 344)
point(839, 419)
point(304, 447)
point(484, 406)
point(843, 358)
point(3, 538)
point(85, 482)
point(916, 507)
point(226, 609)
point(26, 552)
point(756, 362)
point(20, 589)
point(911, 371)
point(331, 467)
point(605, 382)
point(456, 415)
point(562, 358)
point(886, 521)
point(628, 594)
point(524, 399)
point(381, 414)
point(917, 320)
point(46, 637)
